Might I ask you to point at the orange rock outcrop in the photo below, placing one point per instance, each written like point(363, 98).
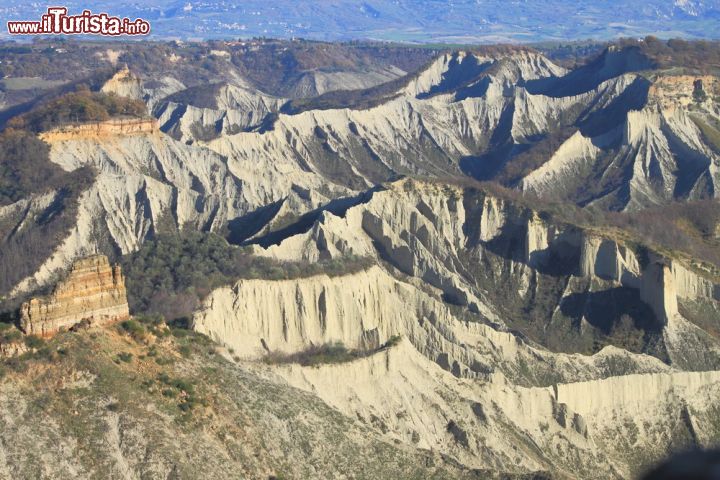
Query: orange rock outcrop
point(114, 127)
point(94, 291)
point(672, 91)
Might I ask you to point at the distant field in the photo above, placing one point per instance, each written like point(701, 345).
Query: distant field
point(457, 21)
point(28, 83)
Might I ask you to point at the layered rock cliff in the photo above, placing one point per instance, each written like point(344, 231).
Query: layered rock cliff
point(98, 130)
point(94, 291)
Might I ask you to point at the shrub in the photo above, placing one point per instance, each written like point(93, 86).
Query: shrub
point(17, 364)
point(9, 334)
point(183, 385)
point(151, 319)
point(135, 329)
point(125, 357)
point(34, 342)
point(45, 353)
point(318, 355)
point(155, 323)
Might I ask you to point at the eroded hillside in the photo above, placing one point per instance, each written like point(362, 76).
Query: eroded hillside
point(338, 250)
point(162, 404)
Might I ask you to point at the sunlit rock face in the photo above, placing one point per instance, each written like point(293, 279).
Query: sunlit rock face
point(93, 291)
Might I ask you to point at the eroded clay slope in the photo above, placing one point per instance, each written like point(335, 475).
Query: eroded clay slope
point(474, 377)
point(462, 388)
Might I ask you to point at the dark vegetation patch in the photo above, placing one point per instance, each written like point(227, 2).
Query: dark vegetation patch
point(172, 274)
point(80, 106)
point(25, 169)
point(533, 156)
point(276, 66)
point(326, 354)
point(355, 99)
point(571, 55)
point(687, 228)
point(9, 334)
point(201, 96)
point(702, 56)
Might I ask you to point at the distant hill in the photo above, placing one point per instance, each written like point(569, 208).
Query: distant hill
point(456, 21)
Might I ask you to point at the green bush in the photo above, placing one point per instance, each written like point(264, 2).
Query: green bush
point(9, 334)
point(134, 328)
point(169, 392)
point(183, 386)
point(151, 319)
point(45, 353)
point(34, 342)
point(155, 324)
point(125, 357)
point(319, 355)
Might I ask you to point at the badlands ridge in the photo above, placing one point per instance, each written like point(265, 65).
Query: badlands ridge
point(528, 343)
